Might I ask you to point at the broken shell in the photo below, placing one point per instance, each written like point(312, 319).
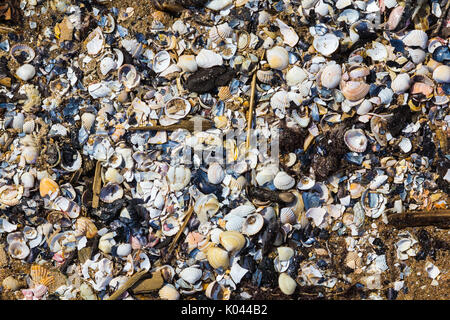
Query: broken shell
point(214, 291)
point(18, 250)
point(161, 61)
point(405, 145)
point(243, 40)
point(442, 74)
point(220, 32)
point(395, 17)
point(187, 63)
point(178, 177)
point(106, 242)
point(71, 161)
point(177, 108)
point(128, 76)
point(401, 83)
point(232, 241)
point(331, 76)
point(170, 226)
point(26, 72)
point(169, 292)
point(326, 44)
point(356, 140)
point(111, 192)
point(277, 57)
point(317, 215)
point(253, 224)
point(215, 173)
point(286, 283)
point(30, 232)
point(10, 195)
point(206, 206)
point(85, 226)
point(218, 258)
point(283, 181)
point(207, 59)
point(95, 42)
point(22, 53)
point(191, 274)
point(416, 38)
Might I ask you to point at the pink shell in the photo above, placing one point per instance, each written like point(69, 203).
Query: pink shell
point(395, 17)
point(39, 291)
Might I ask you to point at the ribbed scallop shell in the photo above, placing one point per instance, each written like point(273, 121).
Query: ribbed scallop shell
point(218, 258)
point(356, 140)
point(232, 240)
point(287, 215)
point(40, 275)
point(280, 100)
point(354, 90)
point(416, 38)
point(224, 93)
point(191, 274)
point(234, 223)
point(253, 224)
point(283, 181)
point(331, 76)
point(264, 76)
point(169, 292)
point(86, 226)
point(215, 173)
point(286, 283)
point(220, 32)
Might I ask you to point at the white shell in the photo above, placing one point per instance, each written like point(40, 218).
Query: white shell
point(326, 44)
point(277, 57)
point(87, 119)
point(177, 108)
point(178, 177)
point(401, 83)
point(331, 76)
point(295, 75)
point(280, 100)
point(417, 55)
point(283, 181)
point(191, 274)
point(161, 61)
point(107, 64)
point(27, 179)
point(290, 37)
point(215, 173)
point(123, 249)
point(378, 52)
point(356, 140)
point(253, 224)
point(416, 38)
point(18, 250)
point(267, 174)
point(169, 292)
point(317, 214)
point(286, 283)
point(207, 59)
point(220, 32)
point(95, 42)
point(26, 72)
point(306, 183)
point(242, 211)
point(234, 223)
point(287, 215)
point(218, 5)
point(405, 145)
point(364, 108)
point(206, 206)
point(187, 63)
point(442, 74)
point(285, 253)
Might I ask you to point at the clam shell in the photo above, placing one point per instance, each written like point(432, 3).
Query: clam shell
point(220, 32)
point(234, 223)
point(277, 57)
point(178, 177)
point(356, 140)
point(295, 76)
point(442, 74)
point(177, 108)
point(253, 224)
point(218, 258)
point(18, 250)
point(191, 274)
point(214, 291)
point(354, 90)
point(264, 76)
point(290, 37)
point(88, 119)
point(25, 52)
point(111, 192)
point(30, 232)
point(169, 292)
point(317, 214)
point(306, 183)
point(11, 195)
point(161, 61)
point(285, 253)
point(326, 44)
point(206, 206)
point(331, 76)
point(242, 211)
point(95, 42)
point(215, 173)
point(395, 17)
point(232, 241)
point(170, 226)
point(283, 181)
point(286, 283)
point(401, 83)
point(27, 179)
point(187, 63)
point(417, 55)
point(416, 38)
point(128, 76)
point(280, 100)
point(85, 226)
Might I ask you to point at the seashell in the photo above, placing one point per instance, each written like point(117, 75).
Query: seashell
point(106, 242)
point(28, 126)
point(356, 140)
point(178, 177)
point(277, 57)
point(170, 226)
point(11, 195)
point(30, 232)
point(111, 192)
point(295, 76)
point(11, 284)
point(253, 224)
point(22, 53)
point(326, 44)
point(218, 258)
point(331, 76)
point(416, 38)
point(267, 174)
point(405, 145)
point(113, 175)
point(71, 163)
point(88, 119)
point(215, 291)
point(349, 16)
point(280, 100)
point(234, 223)
point(224, 93)
point(290, 37)
point(123, 249)
point(26, 72)
point(18, 250)
point(95, 42)
point(69, 207)
point(228, 51)
point(206, 206)
point(218, 5)
point(232, 241)
point(177, 108)
point(40, 275)
point(128, 76)
point(306, 183)
point(191, 274)
point(86, 227)
point(15, 236)
point(317, 214)
point(283, 181)
point(169, 292)
point(287, 215)
point(215, 173)
point(27, 180)
point(30, 154)
point(207, 59)
point(442, 74)
point(308, 4)
point(395, 17)
point(285, 253)
point(243, 40)
point(161, 61)
point(107, 64)
point(354, 90)
point(417, 55)
point(243, 210)
point(386, 96)
point(378, 52)
point(286, 283)
point(401, 83)
point(187, 63)
point(220, 32)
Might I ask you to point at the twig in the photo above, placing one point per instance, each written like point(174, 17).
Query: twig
point(96, 185)
point(187, 124)
point(127, 285)
point(4, 29)
point(250, 111)
point(183, 226)
point(438, 218)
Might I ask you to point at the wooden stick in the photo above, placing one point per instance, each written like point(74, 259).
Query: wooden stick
point(186, 220)
point(127, 285)
point(250, 111)
point(97, 185)
point(187, 124)
point(438, 218)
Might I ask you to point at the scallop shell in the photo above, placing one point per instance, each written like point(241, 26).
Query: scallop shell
point(416, 38)
point(40, 275)
point(191, 274)
point(295, 76)
point(417, 55)
point(277, 57)
point(18, 250)
point(280, 100)
point(234, 223)
point(286, 283)
point(169, 292)
point(243, 40)
point(128, 76)
point(214, 291)
point(326, 44)
point(224, 93)
point(178, 177)
point(177, 108)
point(187, 63)
point(253, 224)
point(283, 181)
point(232, 241)
point(331, 76)
point(218, 258)
point(25, 52)
point(215, 173)
point(88, 119)
point(243, 210)
point(354, 90)
point(401, 83)
point(442, 74)
point(220, 32)
point(356, 140)
point(85, 226)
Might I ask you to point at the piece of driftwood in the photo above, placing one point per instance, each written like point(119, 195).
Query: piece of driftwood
point(127, 285)
point(438, 218)
point(97, 185)
point(186, 124)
